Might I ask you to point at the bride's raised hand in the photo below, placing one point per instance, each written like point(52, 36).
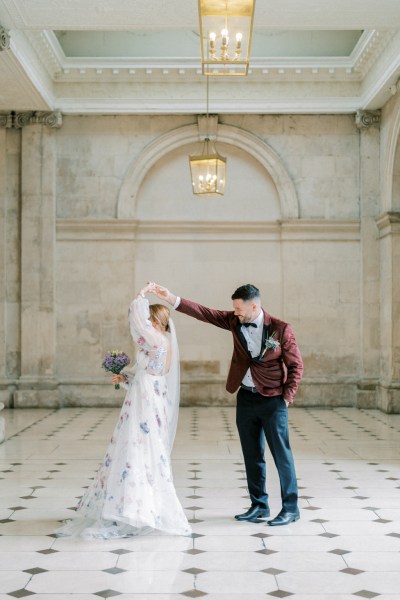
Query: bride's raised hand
point(160, 291)
point(164, 294)
point(147, 288)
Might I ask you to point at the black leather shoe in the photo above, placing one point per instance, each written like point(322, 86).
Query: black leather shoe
point(284, 518)
point(254, 513)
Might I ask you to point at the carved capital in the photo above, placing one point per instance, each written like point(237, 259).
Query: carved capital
point(17, 120)
point(21, 119)
point(6, 121)
point(4, 39)
point(366, 118)
point(50, 119)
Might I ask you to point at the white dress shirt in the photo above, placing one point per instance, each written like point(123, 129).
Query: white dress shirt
point(253, 337)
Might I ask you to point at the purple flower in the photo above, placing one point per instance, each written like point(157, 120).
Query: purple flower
point(115, 361)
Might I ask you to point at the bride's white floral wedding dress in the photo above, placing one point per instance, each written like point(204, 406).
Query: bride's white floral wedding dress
point(133, 492)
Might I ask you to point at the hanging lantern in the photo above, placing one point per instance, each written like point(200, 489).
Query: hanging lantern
point(208, 171)
point(226, 28)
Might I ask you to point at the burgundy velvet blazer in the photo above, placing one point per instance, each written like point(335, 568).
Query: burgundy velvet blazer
point(277, 373)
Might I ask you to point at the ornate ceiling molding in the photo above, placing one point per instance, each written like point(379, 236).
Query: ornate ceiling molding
point(369, 47)
point(36, 63)
point(65, 69)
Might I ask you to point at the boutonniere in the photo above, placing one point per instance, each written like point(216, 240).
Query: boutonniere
point(270, 343)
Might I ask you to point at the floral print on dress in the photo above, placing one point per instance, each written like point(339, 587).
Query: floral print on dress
point(133, 490)
point(144, 427)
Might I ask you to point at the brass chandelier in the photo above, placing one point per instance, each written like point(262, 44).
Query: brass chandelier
point(226, 28)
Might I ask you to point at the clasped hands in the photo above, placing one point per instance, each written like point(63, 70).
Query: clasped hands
point(160, 291)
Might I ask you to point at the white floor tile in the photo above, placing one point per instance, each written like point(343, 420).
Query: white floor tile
point(348, 537)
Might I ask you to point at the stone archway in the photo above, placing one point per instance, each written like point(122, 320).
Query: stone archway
point(389, 144)
point(188, 134)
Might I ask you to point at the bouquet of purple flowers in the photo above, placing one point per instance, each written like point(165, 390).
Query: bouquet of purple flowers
point(114, 361)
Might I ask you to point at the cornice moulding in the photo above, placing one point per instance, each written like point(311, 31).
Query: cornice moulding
point(62, 68)
point(164, 107)
point(145, 231)
point(368, 49)
point(375, 89)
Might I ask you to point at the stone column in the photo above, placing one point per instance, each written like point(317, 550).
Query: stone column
point(389, 237)
point(37, 384)
point(9, 262)
point(3, 312)
point(368, 123)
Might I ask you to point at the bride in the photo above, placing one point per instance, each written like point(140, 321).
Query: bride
point(133, 492)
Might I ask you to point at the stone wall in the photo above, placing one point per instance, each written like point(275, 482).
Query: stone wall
point(105, 204)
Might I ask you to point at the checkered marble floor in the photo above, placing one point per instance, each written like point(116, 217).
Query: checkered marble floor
point(345, 546)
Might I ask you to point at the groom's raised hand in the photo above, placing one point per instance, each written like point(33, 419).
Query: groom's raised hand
point(164, 294)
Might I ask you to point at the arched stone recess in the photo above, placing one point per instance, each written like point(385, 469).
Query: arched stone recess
point(389, 144)
point(264, 154)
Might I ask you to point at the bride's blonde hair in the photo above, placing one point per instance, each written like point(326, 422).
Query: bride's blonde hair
point(160, 314)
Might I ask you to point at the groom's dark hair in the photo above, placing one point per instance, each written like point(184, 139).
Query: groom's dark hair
point(246, 292)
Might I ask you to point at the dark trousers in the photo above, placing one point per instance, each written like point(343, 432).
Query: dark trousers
point(260, 418)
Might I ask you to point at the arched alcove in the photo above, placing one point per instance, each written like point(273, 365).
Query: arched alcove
point(250, 193)
point(188, 135)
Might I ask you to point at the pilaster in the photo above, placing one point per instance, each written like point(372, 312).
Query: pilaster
point(37, 384)
point(9, 263)
point(369, 272)
point(3, 318)
point(389, 239)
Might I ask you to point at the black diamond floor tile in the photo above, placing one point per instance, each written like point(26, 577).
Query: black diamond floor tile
point(194, 571)
point(349, 571)
point(20, 593)
point(196, 520)
point(194, 594)
point(35, 571)
point(272, 571)
point(4, 521)
point(114, 571)
point(383, 521)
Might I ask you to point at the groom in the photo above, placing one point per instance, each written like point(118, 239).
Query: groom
point(267, 368)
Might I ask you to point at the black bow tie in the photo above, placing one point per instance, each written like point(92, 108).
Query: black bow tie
point(249, 324)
